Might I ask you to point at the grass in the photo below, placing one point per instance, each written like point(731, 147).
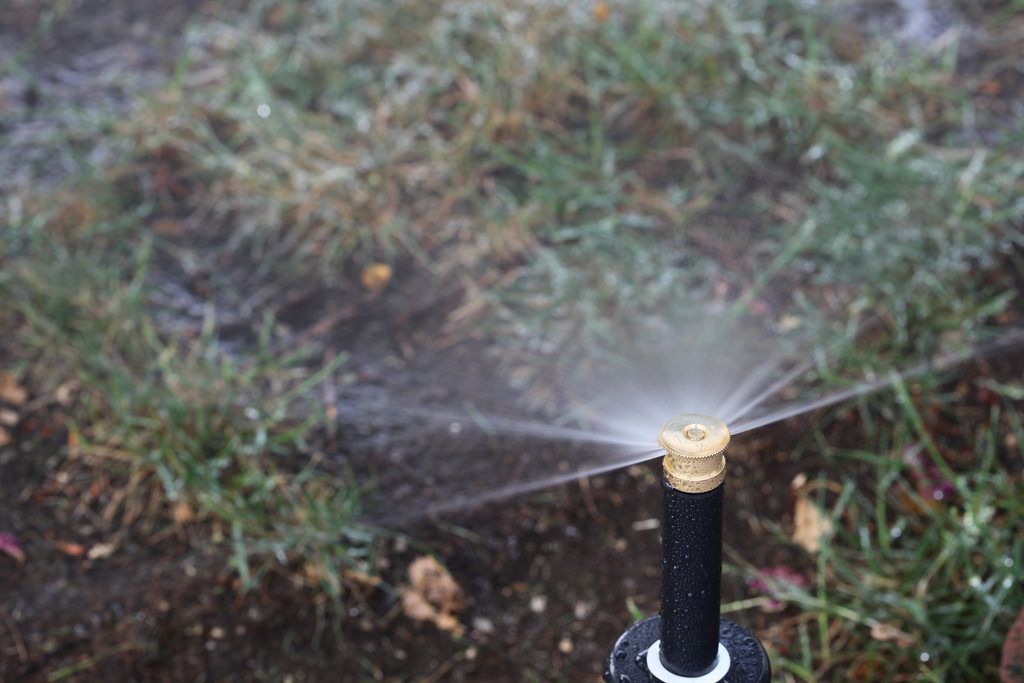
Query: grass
point(213, 430)
point(576, 171)
point(907, 585)
point(601, 164)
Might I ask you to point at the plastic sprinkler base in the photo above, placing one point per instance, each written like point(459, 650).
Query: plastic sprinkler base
point(628, 660)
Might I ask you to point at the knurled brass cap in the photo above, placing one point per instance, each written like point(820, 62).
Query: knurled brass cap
point(695, 458)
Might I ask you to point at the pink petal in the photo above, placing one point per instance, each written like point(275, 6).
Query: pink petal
point(9, 546)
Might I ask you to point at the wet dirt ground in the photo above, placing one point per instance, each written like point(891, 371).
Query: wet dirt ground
point(550, 579)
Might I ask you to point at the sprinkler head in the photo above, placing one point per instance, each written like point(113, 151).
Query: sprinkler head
point(689, 642)
point(695, 445)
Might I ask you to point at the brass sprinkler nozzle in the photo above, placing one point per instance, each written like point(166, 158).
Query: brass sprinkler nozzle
point(695, 461)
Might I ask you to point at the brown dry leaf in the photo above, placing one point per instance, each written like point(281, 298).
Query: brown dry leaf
point(65, 392)
point(990, 87)
point(69, 548)
point(1011, 664)
point(10, 390)
point(447, 622)
point(168, 227)
point(602, 12)
point(415, 606)
point(810, 525)
point(182, 513)
point(431, 580)
point(376, 276)
point(887, 632)
point(433, 595)
point(277, 15)
point(74, 215)
point(864, 668)
point(73, 444)
point(361, 578)
point(5, 437)
point(921, 505)
point(313, 572)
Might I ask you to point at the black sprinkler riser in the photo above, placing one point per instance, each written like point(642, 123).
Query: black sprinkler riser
point(689, 642)
point(691, 579)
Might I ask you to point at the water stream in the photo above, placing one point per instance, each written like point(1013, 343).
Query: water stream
point(470, 457)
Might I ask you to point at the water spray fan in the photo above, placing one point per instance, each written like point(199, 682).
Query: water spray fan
point(689, 642)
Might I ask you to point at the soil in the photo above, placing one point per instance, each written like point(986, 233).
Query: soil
point(550, 579)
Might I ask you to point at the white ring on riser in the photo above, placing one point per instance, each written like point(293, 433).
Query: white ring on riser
point(659, 671)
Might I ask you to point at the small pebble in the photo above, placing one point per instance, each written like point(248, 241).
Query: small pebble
point(582, 609)
point(538, 604)
point(483, 625)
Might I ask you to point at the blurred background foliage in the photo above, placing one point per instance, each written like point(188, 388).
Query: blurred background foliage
point(576, 173)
